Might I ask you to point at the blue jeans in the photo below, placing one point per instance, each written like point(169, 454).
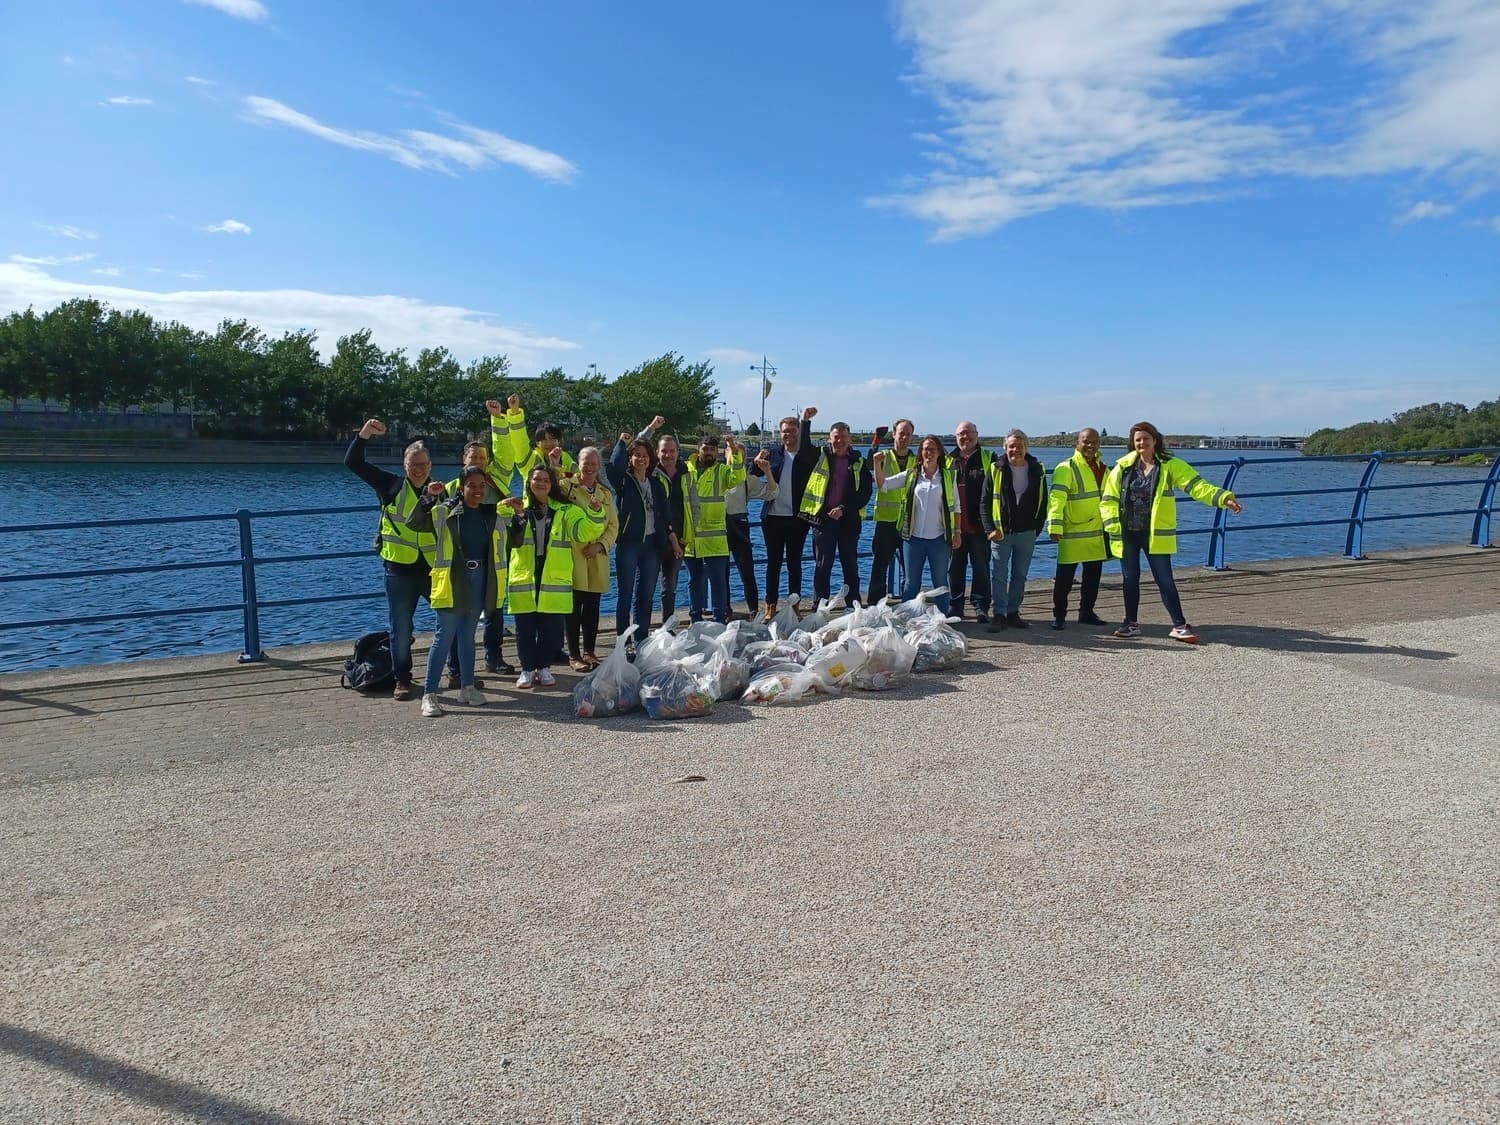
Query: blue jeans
point(636, 568)
point(671, 567)
point(404, 585)
point(1135, 543)
point(935, 555)
point(456, 630)
point(494, 641)
point(1010, 559)
point(712, 573)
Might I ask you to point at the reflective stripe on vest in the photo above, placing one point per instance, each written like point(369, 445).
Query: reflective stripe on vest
point(888, 501)
point(817, 482)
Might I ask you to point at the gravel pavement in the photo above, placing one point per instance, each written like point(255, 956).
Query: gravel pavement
point(1090, 881)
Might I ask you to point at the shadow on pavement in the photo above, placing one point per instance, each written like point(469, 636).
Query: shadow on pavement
point(131, 1081)
point(1285, 639)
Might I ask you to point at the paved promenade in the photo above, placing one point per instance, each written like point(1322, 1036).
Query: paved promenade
point(1079, 879)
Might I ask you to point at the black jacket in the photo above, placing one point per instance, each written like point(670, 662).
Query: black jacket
point(1029, 513)
point(628, 499)
point(801, 470)
point(857, 487)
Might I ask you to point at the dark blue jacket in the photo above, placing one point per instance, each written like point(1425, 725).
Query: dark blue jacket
point(628, 499)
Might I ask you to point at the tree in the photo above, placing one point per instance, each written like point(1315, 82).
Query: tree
point(683, 393)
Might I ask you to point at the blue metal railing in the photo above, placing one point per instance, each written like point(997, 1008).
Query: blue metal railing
point(251, 604)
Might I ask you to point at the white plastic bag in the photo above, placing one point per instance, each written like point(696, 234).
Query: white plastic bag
point(725, 675)
point(781, 683)
point(825, 611)
point(920, 606)
point(784, 624)
point(613, 688)
point(741, 634)
point(661, 648)
point(888, 659)
point(832, 665)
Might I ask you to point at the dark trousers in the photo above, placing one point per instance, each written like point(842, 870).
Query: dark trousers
point(583, 623)
point(836, 539)
point(885, 548)
point(636, 568)
point(743, 553)
point(1135, 543)
point(786, 539)
point(539, 636)
point(671, 567)
point(405, 584)
point(973, 552)
point(1062, 586)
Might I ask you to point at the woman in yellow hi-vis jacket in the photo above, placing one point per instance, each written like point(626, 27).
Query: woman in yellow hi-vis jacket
point(1140, 514)
point(541, 536)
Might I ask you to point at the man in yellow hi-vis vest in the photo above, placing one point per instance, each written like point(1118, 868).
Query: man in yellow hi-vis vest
point(1075, 525)
point(706, 548)
point(885, 545)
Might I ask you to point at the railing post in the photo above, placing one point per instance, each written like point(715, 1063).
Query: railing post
point(1217, 540)
point(252, 652)
point(1355, 542)
point(1481, 536)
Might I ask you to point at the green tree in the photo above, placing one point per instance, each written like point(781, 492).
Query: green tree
point(683, 393)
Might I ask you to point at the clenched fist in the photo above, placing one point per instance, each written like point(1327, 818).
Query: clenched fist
point(494, 407)
point(810, 413)
point(372, 428)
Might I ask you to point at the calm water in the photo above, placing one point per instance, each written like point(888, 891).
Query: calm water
point(32, 495)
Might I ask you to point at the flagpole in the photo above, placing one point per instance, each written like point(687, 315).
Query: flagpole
point(766, 371)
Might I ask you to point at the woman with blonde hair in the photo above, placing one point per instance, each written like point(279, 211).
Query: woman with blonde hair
point(590, 560)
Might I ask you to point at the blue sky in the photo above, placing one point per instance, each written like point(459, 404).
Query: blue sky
point(1039, 213)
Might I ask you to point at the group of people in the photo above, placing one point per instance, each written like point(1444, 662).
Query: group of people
point(963, 518)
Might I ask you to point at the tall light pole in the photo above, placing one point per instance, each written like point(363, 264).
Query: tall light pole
point(766, 371)
point(192, 402)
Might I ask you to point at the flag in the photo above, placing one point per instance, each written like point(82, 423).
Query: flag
point(767, 392)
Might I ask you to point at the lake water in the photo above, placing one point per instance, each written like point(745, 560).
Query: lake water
point(48, 494)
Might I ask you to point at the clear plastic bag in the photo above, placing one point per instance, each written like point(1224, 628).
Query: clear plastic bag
point(726, 676)
point(789, 651)
point(888, 659)
point(938, 644)
point(780, 683)
point(919, 607)
point(613, 688)
point(825, 611)
point(784, 624)
point(661, 648)
point(740, 634)
point(676, 692)
point(832, 665)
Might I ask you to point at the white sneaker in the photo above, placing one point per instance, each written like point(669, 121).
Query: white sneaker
point(471, 696)
point(523, 681)
point(545, 677)
point(431, 707)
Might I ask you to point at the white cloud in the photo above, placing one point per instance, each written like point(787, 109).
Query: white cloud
point(194, 80)
point(106, 271)
point(229, 226)
point(127, 99)
point(427, 151)
point(1426, 209)
point(239, 9)
point(189, 275)
point(405, 322)
point(78, 234)
point(732, 355)
point(69, 259)
point(1134, 103)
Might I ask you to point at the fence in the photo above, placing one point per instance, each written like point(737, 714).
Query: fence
point(250, 605)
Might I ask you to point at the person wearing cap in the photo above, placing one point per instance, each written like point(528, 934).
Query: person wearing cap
point(886, 544)
point(468, 575)
point(477, 455)
point(838, 490)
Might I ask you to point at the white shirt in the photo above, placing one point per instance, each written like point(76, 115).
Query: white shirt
point(1020, 477)
point(781, 504)
point(926, 502)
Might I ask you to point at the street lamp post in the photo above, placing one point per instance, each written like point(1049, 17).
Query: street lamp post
point(192, 401)
point(766, 371)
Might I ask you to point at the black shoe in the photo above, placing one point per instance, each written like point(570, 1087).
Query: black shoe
point(1015, 622)
point(454, 683)
point(997, 624)
point(1058, 623)
point(981, 618)
point(1091, 618)
point(502, 667)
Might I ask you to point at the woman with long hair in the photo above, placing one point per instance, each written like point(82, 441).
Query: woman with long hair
point(929, 519)
point(1140, 515)
point(645, 534)
point(590, 561)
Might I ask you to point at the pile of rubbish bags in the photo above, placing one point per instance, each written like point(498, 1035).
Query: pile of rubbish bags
point(687, 673)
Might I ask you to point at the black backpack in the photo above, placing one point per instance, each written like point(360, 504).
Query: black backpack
point(369, 670)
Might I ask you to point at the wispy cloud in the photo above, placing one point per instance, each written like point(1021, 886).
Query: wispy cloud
point(239, 9)
point(127, 99)
point(229, 226)
point(50, 260)
point(106, 271)
point(194, 80)
point(405, 322)
point(1426, 209)
point(732, 355)
point(470, 149)
point(78, 234)
point(1136, 103)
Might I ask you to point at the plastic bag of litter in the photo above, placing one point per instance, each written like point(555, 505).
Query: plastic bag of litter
point(888, 659)
point(613, 688)
point(825, 611)
point(676, 692)
point(726, 676)
point(938, 644)
point(832, 665)
point(780, 683)
point(740, 634)
point(919, 606)
point(860, 617)
point(784, 624)
point(789, 651)
point(661, 648)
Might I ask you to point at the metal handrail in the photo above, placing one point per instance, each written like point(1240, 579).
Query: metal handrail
point(247, 561)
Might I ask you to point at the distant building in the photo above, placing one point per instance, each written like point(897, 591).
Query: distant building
point(1247, 441)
